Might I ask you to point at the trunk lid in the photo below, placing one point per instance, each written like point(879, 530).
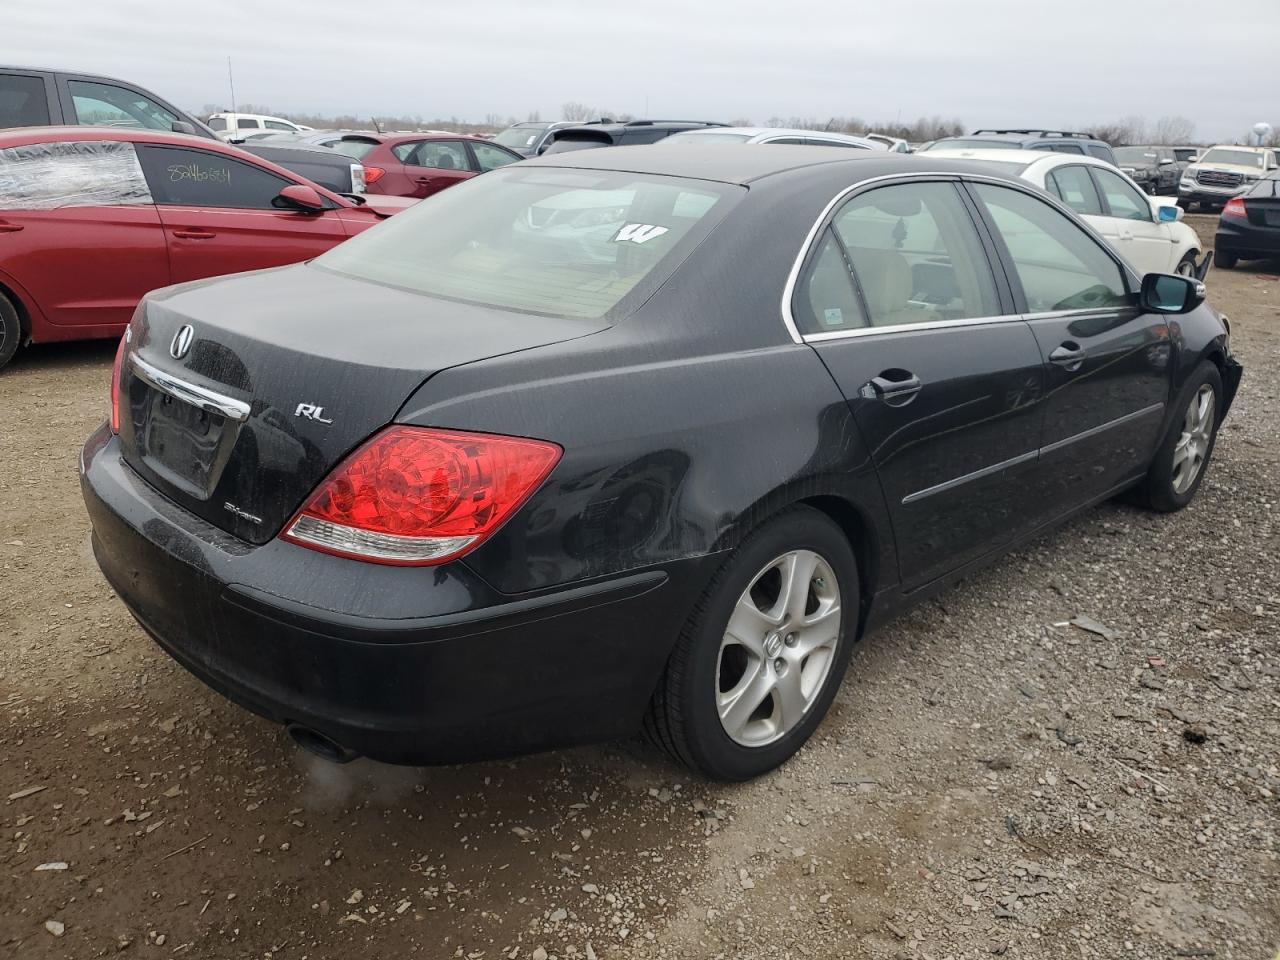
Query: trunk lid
point(284, 372)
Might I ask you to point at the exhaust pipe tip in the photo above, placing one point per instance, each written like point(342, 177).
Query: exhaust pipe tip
point(325, 747)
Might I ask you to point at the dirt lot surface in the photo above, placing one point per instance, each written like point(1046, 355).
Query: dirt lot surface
point(990, 781)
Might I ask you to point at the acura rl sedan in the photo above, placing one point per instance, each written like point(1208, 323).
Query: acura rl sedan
point(632, 438)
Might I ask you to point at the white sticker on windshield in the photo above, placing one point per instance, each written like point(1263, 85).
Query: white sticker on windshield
point(638, 232)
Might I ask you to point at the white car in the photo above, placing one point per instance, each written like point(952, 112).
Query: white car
point(1147, 231)
point(240, 126)
point(815, 138)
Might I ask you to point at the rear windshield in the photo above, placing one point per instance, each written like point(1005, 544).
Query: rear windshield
point(566, 145)
point(521, 135)
point(355, 149)
point(708, 138)
point(1136, 155)
point(962, 144)
point(569, 243)
point(1244, 158)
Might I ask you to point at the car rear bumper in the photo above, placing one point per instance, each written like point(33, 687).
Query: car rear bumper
point(466, 675)
point(1246, 240)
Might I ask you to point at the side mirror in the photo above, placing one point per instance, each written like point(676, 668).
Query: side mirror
point(1168, 214)
point(1165, 162)
point(301, 198)
point(181, 126)
point(1170, 293)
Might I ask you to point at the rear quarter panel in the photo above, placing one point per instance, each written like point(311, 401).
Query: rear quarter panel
point(684, 426)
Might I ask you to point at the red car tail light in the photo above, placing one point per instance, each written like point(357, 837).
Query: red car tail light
point(373, 174)
point(417, 495)
point(1235, 208)
point(115, 384)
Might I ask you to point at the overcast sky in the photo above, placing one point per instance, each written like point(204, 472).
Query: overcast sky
point(1068, 64)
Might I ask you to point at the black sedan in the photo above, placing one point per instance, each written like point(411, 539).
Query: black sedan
point(1249, 228)
point(644, 437)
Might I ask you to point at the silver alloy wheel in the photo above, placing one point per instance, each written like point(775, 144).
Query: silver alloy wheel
point(777, 648)
point(1193, 444)
point(1186, 268)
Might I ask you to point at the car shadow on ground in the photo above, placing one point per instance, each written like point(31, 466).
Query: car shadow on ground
point(48, 357)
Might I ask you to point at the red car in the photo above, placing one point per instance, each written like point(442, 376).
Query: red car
point(91, 219)
point(420, 164)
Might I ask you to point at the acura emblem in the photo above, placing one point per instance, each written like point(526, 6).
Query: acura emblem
point(182, 341)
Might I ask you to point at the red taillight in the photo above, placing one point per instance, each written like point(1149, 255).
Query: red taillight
point(417, 495)
point(373, 174)
point(115, 384)
point(1235, 208)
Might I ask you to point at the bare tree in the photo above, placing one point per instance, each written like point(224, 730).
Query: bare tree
point(1169, 130)
point(577, 111)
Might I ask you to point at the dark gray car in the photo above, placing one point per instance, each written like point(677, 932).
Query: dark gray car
point(1155, 169)
point(35, 97)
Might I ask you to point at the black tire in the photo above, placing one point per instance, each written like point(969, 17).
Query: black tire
point(1223, 260)
point(1159, 490)
point(1187, 263)
point(683, 718)
point(10, 330)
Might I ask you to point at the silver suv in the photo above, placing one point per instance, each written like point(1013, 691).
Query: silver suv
point(1223, 172)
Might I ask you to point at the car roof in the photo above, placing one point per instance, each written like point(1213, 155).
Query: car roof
point(1238, 146)
point(394, 138)
point(742, 163)
point(19, 136)
point(776, 132)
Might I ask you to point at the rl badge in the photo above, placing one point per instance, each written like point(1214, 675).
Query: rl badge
point(311, 412)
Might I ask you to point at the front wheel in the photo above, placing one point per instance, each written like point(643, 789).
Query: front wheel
point(1183, 457)
point(763, 653)
point(1187, 265)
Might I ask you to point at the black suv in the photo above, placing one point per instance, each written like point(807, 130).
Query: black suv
point(42, 98)
point(1058, 141)
point(606, 133)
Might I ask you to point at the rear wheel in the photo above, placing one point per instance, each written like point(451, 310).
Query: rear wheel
point(10, 330)
point(1223, 260)
point(763, 653)
point(1180, 463)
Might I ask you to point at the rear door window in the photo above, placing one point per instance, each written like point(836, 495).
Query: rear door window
point(440, 154)
point(1058, 264)
point(106, 104)
point(24, 101)
point(47, 176)
point(248, 123)
point(1074, 187)
point(280, 125)
point(916, 255)
point(181, 176)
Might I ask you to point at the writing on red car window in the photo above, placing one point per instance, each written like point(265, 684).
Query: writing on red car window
point(199, 174)
point(638, 232)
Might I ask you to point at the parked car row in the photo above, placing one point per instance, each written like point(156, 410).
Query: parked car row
point(92, 218)
point(34, 97)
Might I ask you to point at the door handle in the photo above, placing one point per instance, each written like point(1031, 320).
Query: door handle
point(10, 227)
point(194, 234)
point(1069, 356)
point(894, 387)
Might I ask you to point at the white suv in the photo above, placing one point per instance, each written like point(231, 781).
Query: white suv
point(1223, 172)
point(1146, 231)
point(240, 126)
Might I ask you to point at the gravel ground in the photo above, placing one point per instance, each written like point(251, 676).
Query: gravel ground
point(991, 780)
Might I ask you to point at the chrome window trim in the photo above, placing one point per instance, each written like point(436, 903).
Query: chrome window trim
point(909, 327)
point(1025, 186)
point(201, 397)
